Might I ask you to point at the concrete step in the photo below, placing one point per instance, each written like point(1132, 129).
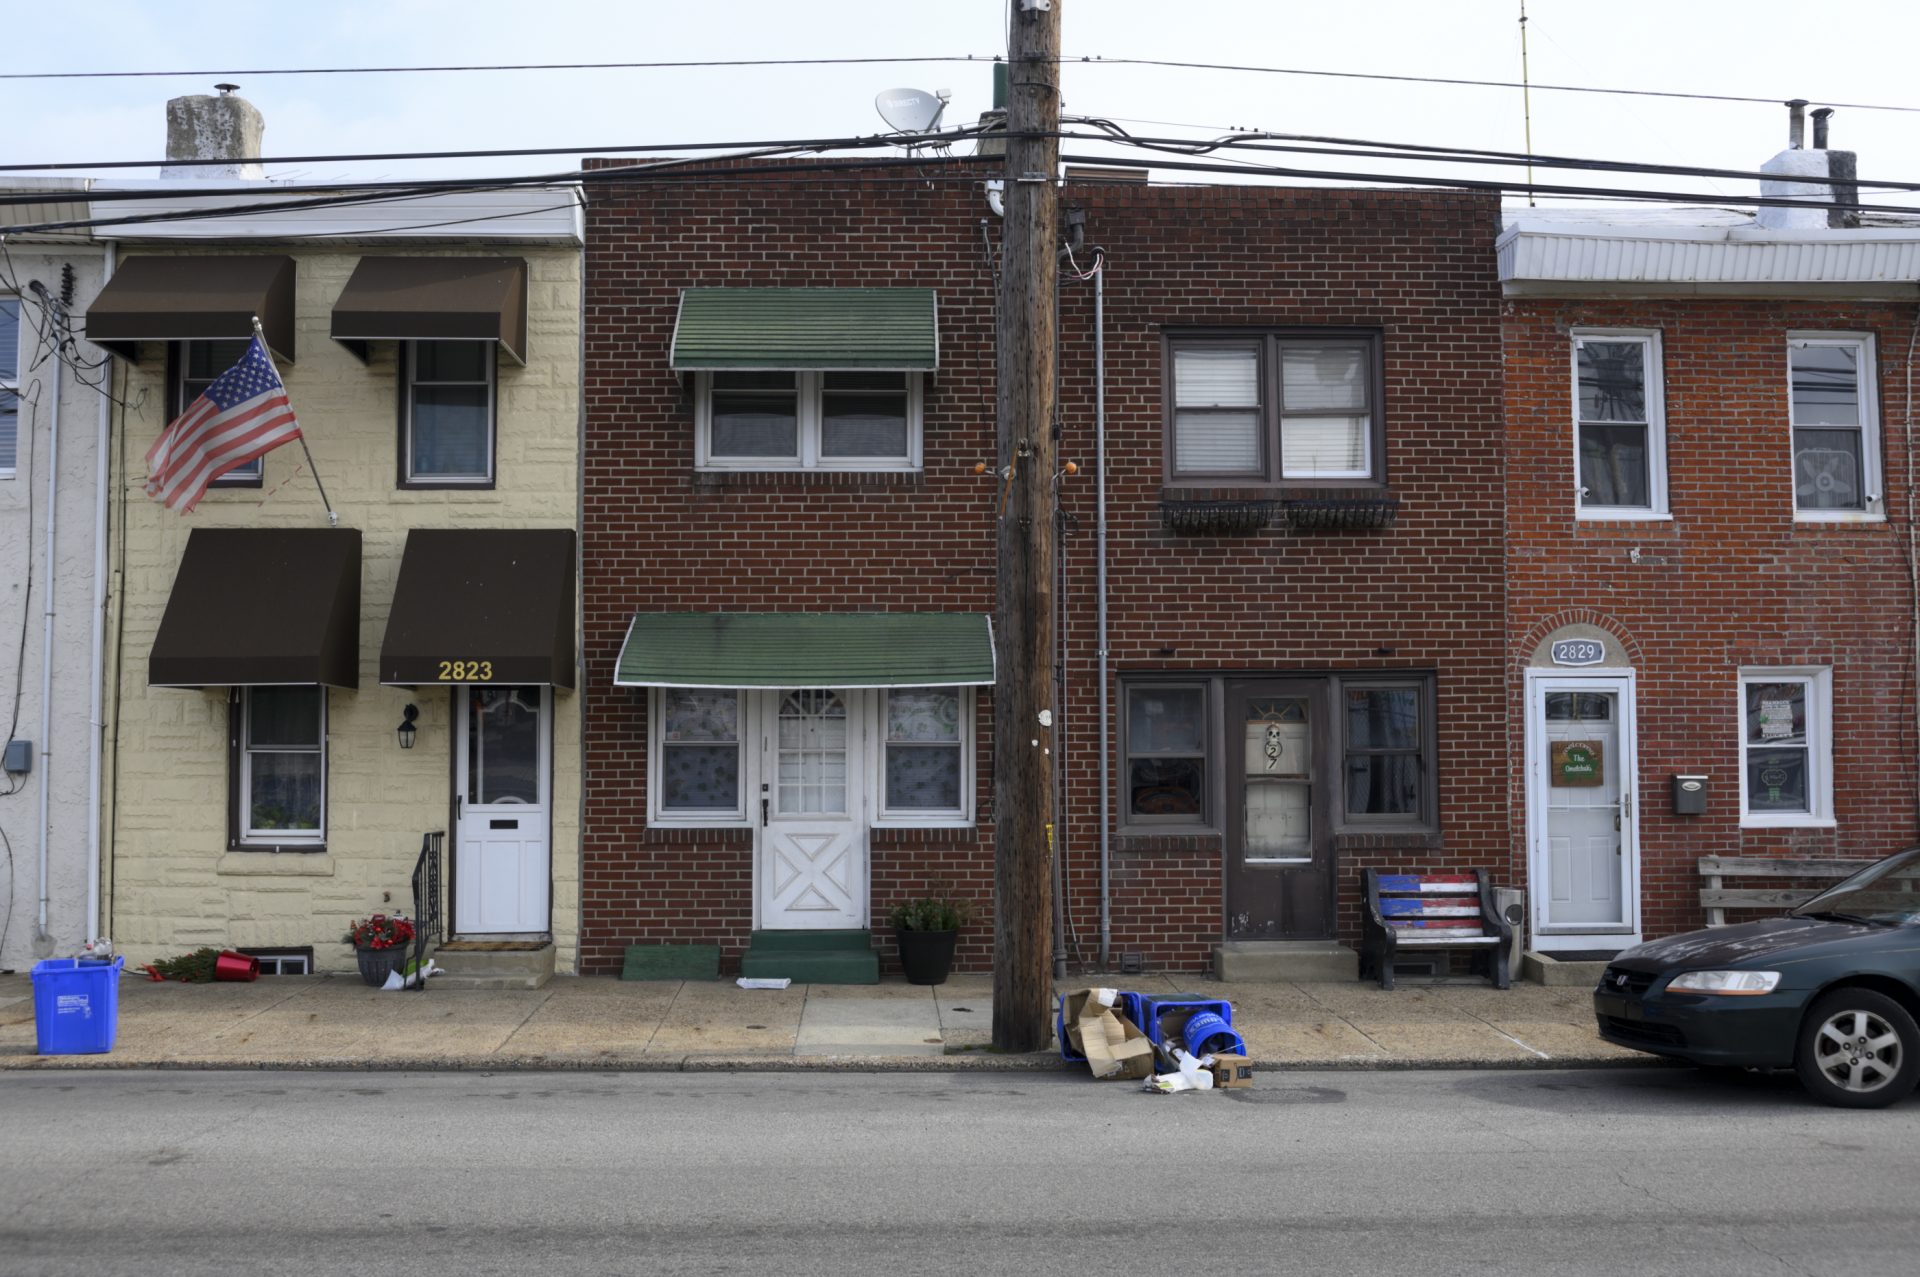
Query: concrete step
point(810, 941)
point(812, 957)
point(1311, 960)
point(1544, 968)
point(493, 968)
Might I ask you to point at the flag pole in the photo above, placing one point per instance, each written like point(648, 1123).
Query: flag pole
point(333, 519)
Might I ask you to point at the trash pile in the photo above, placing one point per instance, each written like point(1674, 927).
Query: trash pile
point(1133, 1037)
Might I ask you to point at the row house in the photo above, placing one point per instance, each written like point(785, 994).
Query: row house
point(1281, 595)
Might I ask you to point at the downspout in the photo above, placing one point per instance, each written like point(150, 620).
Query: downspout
point(96, 719)
point(47, 593)
point(1100, 596)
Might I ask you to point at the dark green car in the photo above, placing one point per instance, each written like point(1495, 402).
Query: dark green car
point(1831, 989)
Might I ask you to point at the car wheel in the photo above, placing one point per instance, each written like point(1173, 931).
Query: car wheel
point(1858, 1049)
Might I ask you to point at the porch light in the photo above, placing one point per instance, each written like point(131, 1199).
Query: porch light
point(407, 730)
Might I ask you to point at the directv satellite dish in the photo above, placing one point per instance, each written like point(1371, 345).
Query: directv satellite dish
point(911, 110)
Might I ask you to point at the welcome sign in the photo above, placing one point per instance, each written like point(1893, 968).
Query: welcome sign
point(1577, 762)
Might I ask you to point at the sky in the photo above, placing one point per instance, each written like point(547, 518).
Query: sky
point(1859, 53)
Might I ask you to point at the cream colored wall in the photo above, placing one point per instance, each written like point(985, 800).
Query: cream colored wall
point(173, 885)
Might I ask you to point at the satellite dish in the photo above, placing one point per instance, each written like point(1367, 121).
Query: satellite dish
point(911, 110)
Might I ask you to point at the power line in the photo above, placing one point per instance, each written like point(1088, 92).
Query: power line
point(1084, 60)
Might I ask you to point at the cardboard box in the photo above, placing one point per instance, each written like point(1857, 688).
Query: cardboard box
point(1115, 1048)
point(1231, 1070)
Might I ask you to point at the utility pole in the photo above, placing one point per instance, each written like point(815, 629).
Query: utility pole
point(1023, 711)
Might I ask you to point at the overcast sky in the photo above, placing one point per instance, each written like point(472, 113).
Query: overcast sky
point(1861, 52)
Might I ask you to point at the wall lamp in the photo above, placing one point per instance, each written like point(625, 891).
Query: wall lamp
point(407, 730)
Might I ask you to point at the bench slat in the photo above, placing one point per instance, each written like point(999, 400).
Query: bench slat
point(1428, 884)
point(1409, 942)
point(1762, 867)
point(1416, 907)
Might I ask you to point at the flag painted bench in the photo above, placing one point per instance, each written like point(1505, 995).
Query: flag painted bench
point(1433, 911)
point(1716, 898)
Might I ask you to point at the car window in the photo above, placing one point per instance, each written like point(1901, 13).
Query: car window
point(1887, 892)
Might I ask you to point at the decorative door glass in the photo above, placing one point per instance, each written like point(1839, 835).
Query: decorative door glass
point(813, 753)
point(503, 745)
point(1279, 788)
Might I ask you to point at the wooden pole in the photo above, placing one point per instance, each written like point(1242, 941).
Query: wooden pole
point(1023, 709)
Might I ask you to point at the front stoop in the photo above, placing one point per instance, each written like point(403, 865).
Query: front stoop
point(1283, 960)
point(464, 968)
point(812, 957)
point(1544, 968)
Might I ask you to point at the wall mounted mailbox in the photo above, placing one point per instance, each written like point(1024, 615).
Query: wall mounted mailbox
point(1689, 795)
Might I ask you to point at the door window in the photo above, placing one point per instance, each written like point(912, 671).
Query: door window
point(1278, 795)
point(813, 753)
point(503, 745)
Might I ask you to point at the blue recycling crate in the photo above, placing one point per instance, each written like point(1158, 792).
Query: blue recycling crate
point(1127, 1004)
point(1155, 1007)
point(76, 1005)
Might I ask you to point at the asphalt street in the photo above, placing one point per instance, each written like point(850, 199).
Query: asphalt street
point(1537, 1171)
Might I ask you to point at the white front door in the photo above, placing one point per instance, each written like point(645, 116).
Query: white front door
point(1583, 861)
point(502, 798)
point(812, 862)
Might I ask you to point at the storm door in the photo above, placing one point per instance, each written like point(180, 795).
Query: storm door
point(1279, 818)
point(812, 864)
point(502, 851)
point(1580, 809)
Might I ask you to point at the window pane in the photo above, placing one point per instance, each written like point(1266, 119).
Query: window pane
point(1826, 385)
point(1279, 818)
point(503, 745)
point(1826, 470)
point(1613, 465)
point(754, 381)
point(450, 361)
point(286, 791)
point(1204, 378)
point(9, 338)
point(283, 716)
point(202, 361)
point(756, 423)
point(1777, 780)
point(923, 714)
point(449, 430)
point(923, 777)
point(1165, 720)
point(1323, 445)
point(1216, 442)
point(1613, 380)
point(1776, 713)
point(700, 778)
point(1559, 707)
point(863, 425)
point(9, 429)
point(1165, 786)
point(700, 715)
point(1383, 718)
point(865, 381)
point(1331, 379)
point(1383, 785)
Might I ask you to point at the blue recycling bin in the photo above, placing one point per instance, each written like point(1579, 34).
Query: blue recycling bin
point(76, 1005)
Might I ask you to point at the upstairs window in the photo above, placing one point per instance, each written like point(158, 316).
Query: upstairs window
point(1836, 430)
point(1620, 451)
point(195, 365)
point(447, 411)
point(9, 385)
point(809, 420)
point(1274, 408)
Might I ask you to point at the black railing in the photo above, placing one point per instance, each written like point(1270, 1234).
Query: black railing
point(426, 899)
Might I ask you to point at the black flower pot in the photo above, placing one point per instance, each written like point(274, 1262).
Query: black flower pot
point(377, 964)
point(927, 956)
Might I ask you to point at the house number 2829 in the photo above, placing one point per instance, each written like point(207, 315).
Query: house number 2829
point(466, 671)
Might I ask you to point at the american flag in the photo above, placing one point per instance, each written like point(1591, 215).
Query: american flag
point(243, 414)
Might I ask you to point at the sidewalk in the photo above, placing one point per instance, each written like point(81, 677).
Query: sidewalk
point(598, 1022)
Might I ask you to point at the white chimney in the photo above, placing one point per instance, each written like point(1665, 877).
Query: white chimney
point(214, 128)
point(1837, 170)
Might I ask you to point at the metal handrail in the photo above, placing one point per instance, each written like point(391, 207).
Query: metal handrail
point(426, 899)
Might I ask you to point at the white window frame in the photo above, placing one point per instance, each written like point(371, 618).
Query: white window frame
point(808, 406)
point(1818, 681)
point(747, 728)
point(408, 382)
point(251, 837)
point(1656, 407)
point(922, 817)
point(12, 386)
point(1874, 510)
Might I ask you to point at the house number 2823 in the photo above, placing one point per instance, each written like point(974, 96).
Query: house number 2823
point(466, 671)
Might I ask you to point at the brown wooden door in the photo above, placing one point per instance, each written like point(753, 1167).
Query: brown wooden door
point(1280, 784)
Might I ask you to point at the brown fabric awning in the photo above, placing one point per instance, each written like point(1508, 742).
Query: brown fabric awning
point(482, 605)
point(256, 607)
point(194, 299)
point(435, 299)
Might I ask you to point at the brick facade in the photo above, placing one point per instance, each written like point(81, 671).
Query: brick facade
point(1424, 595)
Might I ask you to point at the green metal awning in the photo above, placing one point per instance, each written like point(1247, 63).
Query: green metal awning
point(812, 329)
point(806, 649)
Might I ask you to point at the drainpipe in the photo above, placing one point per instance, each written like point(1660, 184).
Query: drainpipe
point(96, 724)
point(46, 613)
point(1100, 597)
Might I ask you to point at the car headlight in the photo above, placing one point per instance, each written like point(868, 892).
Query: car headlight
point(1727, 983)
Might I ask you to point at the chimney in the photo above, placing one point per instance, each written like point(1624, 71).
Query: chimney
point(995, 121)
point(1837, 171)
point(225, 128)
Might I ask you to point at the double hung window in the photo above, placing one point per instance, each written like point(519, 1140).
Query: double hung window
point(1836, 432)
point(809, 420)
point(279, 769)
point(698, 734)
point(1274, 408)
point(1786, 746)
point(1620, 449)
point(195, 365)
point(9, 385)
point(447, 411)
point(924, 771)
point(1386, 734)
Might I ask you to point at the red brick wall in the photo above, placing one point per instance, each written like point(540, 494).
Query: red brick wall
point(1730, 581)
point(1418, 267)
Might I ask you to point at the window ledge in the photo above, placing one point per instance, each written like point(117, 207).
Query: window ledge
point(698, 835)
point(845, 479)
point(1802, 519)
point(886, 837)
point(1169, 841)
point(1624, 516)
point(1788, 822)
point(276, 864)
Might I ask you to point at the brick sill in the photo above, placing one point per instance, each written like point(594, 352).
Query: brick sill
point(832, 480)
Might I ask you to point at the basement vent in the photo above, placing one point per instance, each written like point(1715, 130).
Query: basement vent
point(283, 961)
point(1133, 963)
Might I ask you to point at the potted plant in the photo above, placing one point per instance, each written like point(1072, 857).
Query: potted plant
point(381, 944)
point(926, 930)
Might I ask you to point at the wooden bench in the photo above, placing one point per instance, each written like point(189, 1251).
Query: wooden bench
point(1433, 911)
point(1716, 899)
